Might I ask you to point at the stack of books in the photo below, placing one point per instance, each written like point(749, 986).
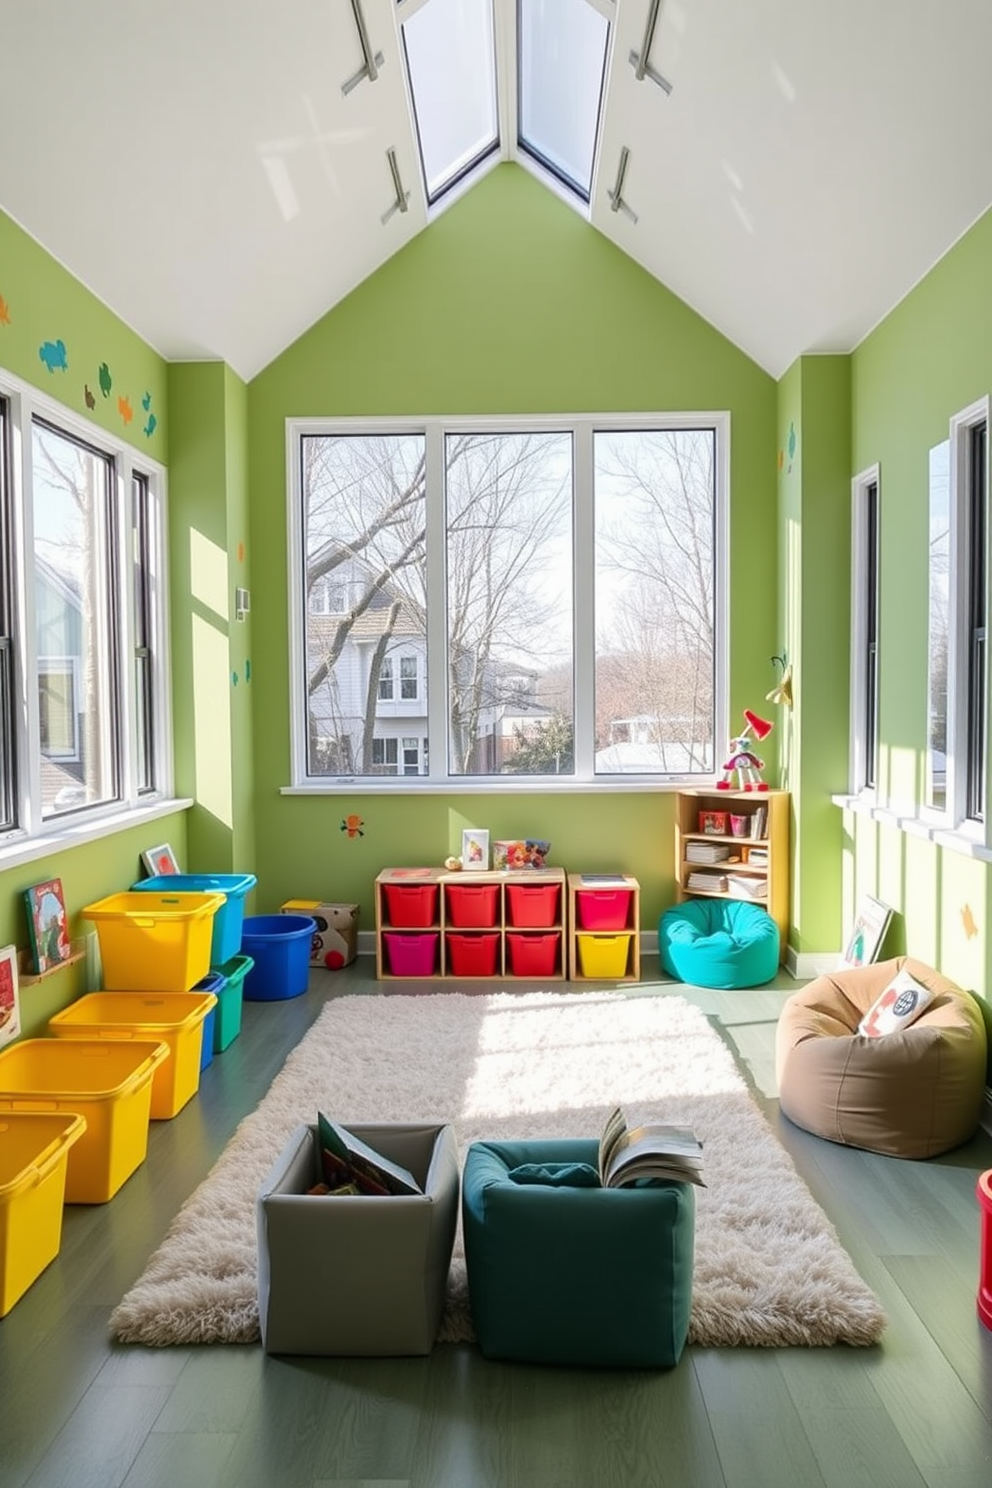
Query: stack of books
point(706, 852)
point(747, 886)
point(707, 883)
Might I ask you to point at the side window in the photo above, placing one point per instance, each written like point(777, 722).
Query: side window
point(864, 631)
point(8, 794)
point(968, 669)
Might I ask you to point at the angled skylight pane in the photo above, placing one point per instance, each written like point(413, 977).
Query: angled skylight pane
point(450, 58)
point(562, 52)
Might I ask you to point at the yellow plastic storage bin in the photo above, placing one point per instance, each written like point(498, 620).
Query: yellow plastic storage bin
point(34, 1151)
point(107, 1082)
point(603, 955)
point(154, 942)
point(175, 1018)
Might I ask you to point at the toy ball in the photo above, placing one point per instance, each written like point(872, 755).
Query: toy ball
point(334, 960)
point(452, 864)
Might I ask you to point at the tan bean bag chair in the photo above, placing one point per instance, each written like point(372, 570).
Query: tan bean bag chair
point(912, 1093)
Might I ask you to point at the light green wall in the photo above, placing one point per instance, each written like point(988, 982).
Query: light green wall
point(814, 603)
point(929, 359)
point(508, 303)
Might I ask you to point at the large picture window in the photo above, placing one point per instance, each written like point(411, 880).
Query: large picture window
point(529, 600)
point(81, 544)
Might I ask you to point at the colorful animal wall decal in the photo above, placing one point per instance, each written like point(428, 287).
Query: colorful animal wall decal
point(352, 826)
point(106, 381)
point(125, 410)
point(4, 312)
point(150, 425)
point(247, 671)
point(90, 399)
point(52, 353)
point(146, 402)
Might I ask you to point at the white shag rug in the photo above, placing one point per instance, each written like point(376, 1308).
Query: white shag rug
point(769, 1268)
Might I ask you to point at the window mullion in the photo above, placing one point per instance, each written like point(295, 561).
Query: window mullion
point(437, 641)
point(584, 732)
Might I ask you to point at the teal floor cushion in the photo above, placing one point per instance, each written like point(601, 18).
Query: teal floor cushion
point(719, 943)
point(561, 1272)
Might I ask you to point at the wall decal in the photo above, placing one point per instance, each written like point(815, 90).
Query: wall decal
point(234, 679)
point(792, 445)
point(241, 552)
point(781, 459)
point(146, 402)
point(353, 825)
point(150, 426)
point(52, 353)
point(968, 922)
point(4, 312)
point(106, 381)
point(90, 400)
point(247, 671)
point(125, 410)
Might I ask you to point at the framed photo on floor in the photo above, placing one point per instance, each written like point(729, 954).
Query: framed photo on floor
point(867, 932)
point(159, 860)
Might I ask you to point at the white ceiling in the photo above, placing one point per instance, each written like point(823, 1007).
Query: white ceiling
point(812, 162)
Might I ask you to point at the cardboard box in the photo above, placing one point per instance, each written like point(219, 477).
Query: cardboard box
point(335, 940)
point(350, 1274)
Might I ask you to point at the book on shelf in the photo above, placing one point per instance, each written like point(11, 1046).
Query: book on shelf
point(48, 925)
point(706, 852)
point(350, 1166)
point(707, 883)
point(747, 886)
point(759, 821)
point(758, 856)
point(629, 1154)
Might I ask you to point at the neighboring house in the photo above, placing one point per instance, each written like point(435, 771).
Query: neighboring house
point(61, 685)
point(511, 716)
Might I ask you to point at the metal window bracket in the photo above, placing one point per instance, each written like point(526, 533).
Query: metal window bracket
point(402, 197)
point(617, 203)
point(373, 61)
point(639, 60)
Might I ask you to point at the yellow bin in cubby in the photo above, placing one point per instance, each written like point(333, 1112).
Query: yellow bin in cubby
point(107, 1082)
point(175, 1018)
point(603, 955)
point(154, 942)
point(34, 1151)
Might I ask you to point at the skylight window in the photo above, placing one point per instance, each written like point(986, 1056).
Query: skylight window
point(451, 63)
point(561, 50)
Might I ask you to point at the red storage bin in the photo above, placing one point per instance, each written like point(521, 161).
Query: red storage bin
point(472, 955)
point(472, 905)
point(532, 904)
point(411, 955)
point(603, 909)
point(411, 905)
point(533, 955)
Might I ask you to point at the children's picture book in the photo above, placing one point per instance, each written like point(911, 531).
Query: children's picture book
point(627, 1155)
point(475, 849)
point(867, 932)
point(48, 924)
point(158, 860)
point(10, 1014)
point(350, 1166)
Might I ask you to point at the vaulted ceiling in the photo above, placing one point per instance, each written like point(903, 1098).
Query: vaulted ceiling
point(200, 166)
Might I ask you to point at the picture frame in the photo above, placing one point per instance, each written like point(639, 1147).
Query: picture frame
point(475, 850)
point(48, 925)
point(867, 933)
point(10, 1010)
point(713, 823)
point(159, 860)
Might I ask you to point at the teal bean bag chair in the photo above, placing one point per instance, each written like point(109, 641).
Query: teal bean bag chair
point(719, 943)
point(562, 1271)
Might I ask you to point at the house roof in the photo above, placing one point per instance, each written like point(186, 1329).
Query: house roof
point(200, 168)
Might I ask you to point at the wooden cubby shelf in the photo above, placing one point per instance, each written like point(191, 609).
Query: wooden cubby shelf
point(604, 927)
point(748, 864)
point(433, 924)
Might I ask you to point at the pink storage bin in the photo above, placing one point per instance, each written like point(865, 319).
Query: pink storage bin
point(410, 955)
point(603, 909)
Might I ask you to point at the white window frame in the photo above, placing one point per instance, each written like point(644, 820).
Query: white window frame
point(434, 429)
point(858, 751)
point(961, 425)
point(34, 836)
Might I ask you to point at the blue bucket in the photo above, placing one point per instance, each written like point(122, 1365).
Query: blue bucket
point(279, 946)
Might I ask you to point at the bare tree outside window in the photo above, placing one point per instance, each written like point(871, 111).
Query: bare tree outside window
point(654, 595)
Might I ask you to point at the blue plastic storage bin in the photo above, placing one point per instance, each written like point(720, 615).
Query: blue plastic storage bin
point(212, 982)
point(279, 946)
point(229, 919)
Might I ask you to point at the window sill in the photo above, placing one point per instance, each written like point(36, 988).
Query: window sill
point(60, 838)
point(913, 826)
point(474, 785)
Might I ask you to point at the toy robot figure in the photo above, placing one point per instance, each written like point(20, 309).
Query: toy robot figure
point(743, 763)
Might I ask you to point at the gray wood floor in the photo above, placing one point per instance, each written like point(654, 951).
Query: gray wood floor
point(79, 1412)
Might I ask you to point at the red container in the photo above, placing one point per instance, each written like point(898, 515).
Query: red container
point(472, 955)
point(533, 955)
point(532, 904)
point(471, 905)
point(410, 955)
point(413, 906)
point(603, 909)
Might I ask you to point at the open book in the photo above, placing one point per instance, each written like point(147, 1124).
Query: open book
point(671, 1152)
point(351, 1166)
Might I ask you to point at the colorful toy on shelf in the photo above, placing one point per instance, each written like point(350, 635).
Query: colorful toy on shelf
point(742, 770)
